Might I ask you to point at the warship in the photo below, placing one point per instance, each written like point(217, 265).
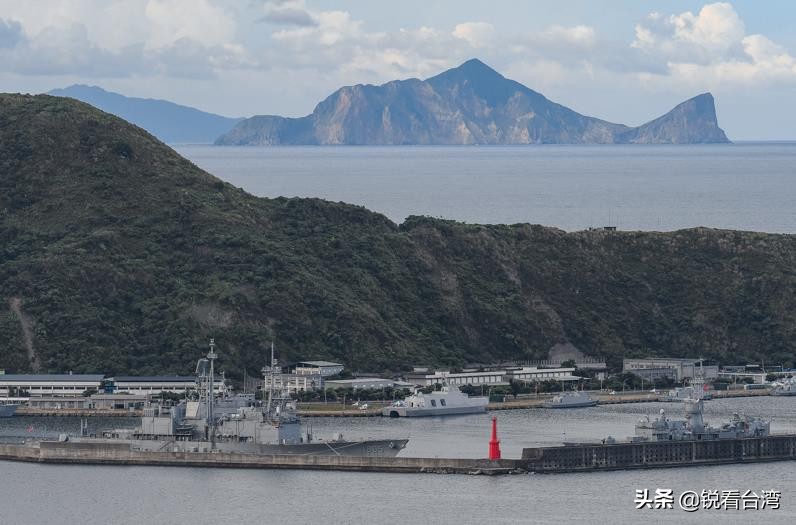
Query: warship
point(693, 426)
point(236, 424)
point(574, 399)
point(449, 400)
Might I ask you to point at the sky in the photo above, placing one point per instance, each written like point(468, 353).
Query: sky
point(625, 61)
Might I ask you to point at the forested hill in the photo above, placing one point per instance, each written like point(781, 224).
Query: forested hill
point(117, 255)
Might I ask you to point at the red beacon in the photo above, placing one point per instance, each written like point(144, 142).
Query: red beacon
point(494, 443)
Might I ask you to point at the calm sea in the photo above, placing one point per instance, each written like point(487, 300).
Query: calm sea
point(747, 186)
point(44, 494)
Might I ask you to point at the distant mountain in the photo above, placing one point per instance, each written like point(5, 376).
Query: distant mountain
point(166, 120)
point(469, 104)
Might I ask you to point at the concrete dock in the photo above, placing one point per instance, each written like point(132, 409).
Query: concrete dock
point(558, 459)
point(121, 454)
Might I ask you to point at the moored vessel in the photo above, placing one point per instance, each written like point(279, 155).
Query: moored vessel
point(573, 399)
point(449, 400)
point(238, 424)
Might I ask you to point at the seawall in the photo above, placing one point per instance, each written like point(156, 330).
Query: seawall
point(121, 454)
point(560, 459)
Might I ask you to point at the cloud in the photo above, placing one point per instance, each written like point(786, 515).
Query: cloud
point(288, 13)
point(199, 20)
point(10, 33)
point(477, 34)
point(711, 48)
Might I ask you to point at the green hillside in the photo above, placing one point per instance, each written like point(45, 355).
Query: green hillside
point(117, 255)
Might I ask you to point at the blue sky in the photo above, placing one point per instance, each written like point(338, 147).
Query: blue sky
point(624, 61)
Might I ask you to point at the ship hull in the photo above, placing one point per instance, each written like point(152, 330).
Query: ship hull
point(8, 410)
point(429, 412)
point(364, 448)
point(584, 404)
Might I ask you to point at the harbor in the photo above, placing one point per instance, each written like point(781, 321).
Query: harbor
point(375, 408)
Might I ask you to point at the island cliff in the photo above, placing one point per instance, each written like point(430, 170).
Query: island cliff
point(469, 104)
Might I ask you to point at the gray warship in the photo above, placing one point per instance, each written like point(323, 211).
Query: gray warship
point(237, 424)
point(693, 426)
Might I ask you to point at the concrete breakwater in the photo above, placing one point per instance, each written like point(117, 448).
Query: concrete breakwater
point(558, 459)
point(638, 455)
point(122, 454)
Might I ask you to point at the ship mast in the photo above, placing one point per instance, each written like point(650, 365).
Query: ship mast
point(270, 383)
point(211, 420)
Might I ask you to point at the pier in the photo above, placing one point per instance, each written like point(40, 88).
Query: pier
point(580, 457)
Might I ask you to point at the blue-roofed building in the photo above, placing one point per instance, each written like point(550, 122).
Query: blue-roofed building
point(48, 385)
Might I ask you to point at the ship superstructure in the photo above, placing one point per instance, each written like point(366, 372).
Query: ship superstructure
point(239, 424)
point(693, 427)
point(449, 400)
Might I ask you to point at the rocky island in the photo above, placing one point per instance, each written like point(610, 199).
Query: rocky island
point(469, 104)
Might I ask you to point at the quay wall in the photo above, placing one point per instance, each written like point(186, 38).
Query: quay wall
point(568, 458)
point(620, 456)
point(121, 454)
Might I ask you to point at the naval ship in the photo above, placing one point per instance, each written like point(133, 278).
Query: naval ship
point(447, 401)
point(237, 424)
point(693, 426)
point(574, 399)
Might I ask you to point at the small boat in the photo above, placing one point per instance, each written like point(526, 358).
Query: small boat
point(697, 390)
point(445, 402)
point(575, 399)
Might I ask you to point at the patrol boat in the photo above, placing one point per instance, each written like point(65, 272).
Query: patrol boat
point(574, 399)
point(445, 402)
point(693, 426)
point(238, 424)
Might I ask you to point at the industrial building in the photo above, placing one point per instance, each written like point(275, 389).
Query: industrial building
point(117, 401)
point(154, 385)
point(360, 383)
point(292, 383)
point(488, 377)
point(491, 377)
point(678, 369)
point(48, 385)
point(322, 368)
point(533, 375)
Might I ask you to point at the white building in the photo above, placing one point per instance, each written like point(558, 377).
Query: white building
point(488, 377)
point(533, 374)
point(673, 367)
point(154, 385)
point(293, 383)
point(48, 385)
point(361, 382)
point(322, 368)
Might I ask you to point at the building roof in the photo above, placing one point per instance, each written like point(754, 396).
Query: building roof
point(156, 379)
point(359, 380)
point(52, 378)
point(319, 363)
